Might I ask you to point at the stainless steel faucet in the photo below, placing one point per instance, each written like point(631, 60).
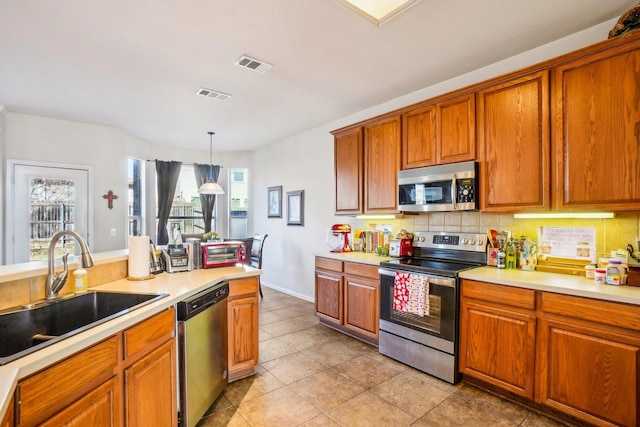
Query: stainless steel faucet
point(54, 281)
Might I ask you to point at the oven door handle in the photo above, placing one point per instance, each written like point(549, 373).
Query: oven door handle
point(436, 280)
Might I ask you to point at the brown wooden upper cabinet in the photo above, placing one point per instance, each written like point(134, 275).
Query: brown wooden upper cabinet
point(514, 144)
point(349, 171)
point(382, 163)
point(441, 132)
point(596, 129)
point(367, 161)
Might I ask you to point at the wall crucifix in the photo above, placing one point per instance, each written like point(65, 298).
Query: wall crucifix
point(110, 198)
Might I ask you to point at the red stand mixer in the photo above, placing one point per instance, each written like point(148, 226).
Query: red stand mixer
point(339, 238)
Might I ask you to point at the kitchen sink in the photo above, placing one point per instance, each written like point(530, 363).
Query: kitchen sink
point(30, 327)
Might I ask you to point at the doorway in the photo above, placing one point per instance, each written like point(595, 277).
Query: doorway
point(42, 199)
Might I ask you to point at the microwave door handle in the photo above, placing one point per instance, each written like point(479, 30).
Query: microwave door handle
point(454, 189)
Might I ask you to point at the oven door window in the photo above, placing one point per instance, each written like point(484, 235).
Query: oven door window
point(441, 320)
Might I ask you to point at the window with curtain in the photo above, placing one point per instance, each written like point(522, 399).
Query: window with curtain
point(186, 210)
point(135, 197)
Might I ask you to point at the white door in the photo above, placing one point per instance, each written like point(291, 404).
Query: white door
point(41, 200)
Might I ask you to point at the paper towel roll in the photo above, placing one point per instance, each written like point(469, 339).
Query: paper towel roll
point(138, 256)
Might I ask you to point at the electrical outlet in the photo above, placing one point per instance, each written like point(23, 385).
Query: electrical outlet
point(113, 232)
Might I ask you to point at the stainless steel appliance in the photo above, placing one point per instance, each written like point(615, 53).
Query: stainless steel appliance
point(429, 342)
point(176, 258)
point(202, 351)
point(452, 187)
point(220, 254)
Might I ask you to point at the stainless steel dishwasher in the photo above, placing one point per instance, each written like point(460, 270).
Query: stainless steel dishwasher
point(202, 351)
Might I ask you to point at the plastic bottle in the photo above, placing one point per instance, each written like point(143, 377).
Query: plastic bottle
point(511, 254)
point(80, 280)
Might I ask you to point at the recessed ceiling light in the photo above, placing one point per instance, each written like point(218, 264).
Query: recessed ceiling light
point(379, 11)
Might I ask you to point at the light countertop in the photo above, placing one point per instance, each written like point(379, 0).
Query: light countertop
point(553, 282)
point(178, 286)
point(550, 282)
point(359, 257)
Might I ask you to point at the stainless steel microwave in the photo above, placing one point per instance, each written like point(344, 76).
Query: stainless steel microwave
point(442, 188)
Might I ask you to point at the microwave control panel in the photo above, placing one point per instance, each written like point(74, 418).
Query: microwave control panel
point(466, 191)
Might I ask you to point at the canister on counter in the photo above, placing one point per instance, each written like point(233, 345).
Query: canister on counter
point(600, 275)
point(590, 271)
point(614, 272)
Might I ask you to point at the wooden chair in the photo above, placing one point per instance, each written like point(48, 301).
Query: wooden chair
point(256, 255)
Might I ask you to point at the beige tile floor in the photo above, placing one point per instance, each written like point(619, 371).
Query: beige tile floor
point(311, 375)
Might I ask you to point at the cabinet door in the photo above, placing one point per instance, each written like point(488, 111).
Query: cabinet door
point(151, 390)
point(362, 305)
point(46, 393)
point(497, 346)
point(419, 134)
point(382, 163)
point(9, 417)
point(597, 132)
point(592, 375)
point(513, 137)
point(456, 129)
point(348, 159)
point(243, 333)
point(329, 296)
point(99, 408)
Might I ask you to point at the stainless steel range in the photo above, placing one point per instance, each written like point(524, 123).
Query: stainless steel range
point(419, 301)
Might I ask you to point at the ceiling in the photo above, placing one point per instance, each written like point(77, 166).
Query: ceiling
point(138, 64)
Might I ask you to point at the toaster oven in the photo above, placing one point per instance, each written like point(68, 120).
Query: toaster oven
point(222, 254)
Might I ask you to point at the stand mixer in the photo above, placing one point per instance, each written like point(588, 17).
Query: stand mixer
point(339, 238)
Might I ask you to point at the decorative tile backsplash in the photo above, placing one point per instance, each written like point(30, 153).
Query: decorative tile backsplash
point(610, 234)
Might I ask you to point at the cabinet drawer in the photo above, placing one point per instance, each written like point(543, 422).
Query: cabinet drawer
point(605, 312)
point(364, 270)
point(243, 287)
point(329, 264)
point(515, 297)
point(48, 391)
point(149, 332)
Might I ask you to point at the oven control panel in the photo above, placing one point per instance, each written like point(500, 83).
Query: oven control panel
point(475, 242)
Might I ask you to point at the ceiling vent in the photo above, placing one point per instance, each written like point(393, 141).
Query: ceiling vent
point(253, 64)
point(220, 96)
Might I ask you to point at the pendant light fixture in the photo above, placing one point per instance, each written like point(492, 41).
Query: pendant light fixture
point(210, 187)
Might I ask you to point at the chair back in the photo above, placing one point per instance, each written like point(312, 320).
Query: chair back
point(256, 250)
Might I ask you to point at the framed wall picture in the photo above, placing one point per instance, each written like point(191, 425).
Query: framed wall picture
point(274, 202)
point(295, 207)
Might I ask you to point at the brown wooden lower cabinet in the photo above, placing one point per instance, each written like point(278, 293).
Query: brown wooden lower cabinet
point(242, 309)
point(99, 408)
point(587, 351)
point(348, 297)
point(589, 359)
point(9, 417)
point(87, 388)
point(497, 337)
point(150, 389)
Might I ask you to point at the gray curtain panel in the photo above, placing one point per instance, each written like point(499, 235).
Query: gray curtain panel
point(167, 174)
point(206, 173)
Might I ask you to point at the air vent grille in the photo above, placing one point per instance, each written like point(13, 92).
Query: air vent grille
point(253, 64)
point(220, 96)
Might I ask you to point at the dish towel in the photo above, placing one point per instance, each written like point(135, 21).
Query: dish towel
point(411, 294)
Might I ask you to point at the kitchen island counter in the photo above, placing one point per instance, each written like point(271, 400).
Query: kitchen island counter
point(177, 286)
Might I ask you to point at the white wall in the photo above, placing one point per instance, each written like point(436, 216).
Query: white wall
point(305, 162)
point(106, 150)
